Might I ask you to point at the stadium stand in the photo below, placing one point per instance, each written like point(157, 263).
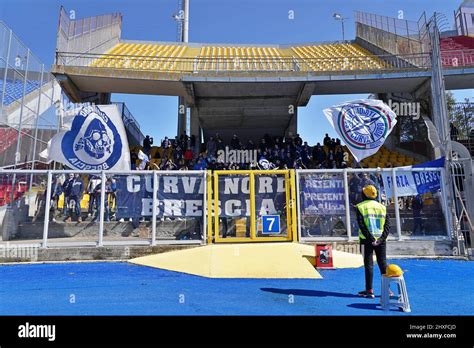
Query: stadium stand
point(14, 89)
point(281, 153)
point(8, 137)
point(386, 158)
point(169, 57)
point(122, 56)
point(6, 187)
point(333, 57)
point(457, 51)
point(239, 58)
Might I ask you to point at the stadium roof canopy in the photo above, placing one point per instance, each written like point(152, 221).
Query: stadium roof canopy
point(231, 86)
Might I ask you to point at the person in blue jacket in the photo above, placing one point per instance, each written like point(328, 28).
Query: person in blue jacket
point(56, 191)
point(73, 190)
point(110, 188)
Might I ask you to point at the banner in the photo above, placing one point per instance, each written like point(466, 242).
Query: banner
point(96, 140)
point(363, 125)
point(322, 194)
point(412, 183)
point(182, 196)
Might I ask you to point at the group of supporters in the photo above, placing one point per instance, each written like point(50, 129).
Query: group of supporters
point(72, 190)
point(271, 153)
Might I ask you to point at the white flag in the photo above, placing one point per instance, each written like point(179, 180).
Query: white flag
point(144, 160)
point(363, 125)
point(96, 140)
point(44, 154)
point(142, 156)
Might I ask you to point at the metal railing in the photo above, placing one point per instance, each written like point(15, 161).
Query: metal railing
point(130, 123)
point(39, 202)
point(457, 58)
point(397, 36)
point(338, 220)
point(396, 26)
point(462, 209)
point(327, 216)
point(93, 34)
point(336, 65)
point(27, 92)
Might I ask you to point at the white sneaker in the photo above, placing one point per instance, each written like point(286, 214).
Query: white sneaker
point(54, 220)
point(122, 220)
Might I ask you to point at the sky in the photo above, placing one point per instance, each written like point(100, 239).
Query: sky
point(216, 21)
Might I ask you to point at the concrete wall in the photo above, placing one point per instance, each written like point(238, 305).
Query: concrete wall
point(406, 248)
point(394, 249)
point(83, 253)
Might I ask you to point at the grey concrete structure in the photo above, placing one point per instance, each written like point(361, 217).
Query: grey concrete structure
point(15, 254)
point(263, 93)
point(253, 105)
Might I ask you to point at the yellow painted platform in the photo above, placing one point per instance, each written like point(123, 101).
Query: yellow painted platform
point(255, 260)
point(340, 259)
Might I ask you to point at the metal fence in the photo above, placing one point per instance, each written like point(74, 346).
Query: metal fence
point(397, 36)
point(92, 34)
point(457, 58)
point(131, 125)
point(411, 217)
point(462, 209)
point(36, 215)
point(400, 27)
point(229, 65)
point(28, 93)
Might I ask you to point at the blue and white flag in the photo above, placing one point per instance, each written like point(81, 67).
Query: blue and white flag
point(363, 125)
point(144, 160)
point(412, 183)
point(96, 140)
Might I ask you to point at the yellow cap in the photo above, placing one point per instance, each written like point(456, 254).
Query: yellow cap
point(393, 271)
point(370, 191)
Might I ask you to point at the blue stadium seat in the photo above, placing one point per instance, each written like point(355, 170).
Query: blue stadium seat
point(14, 89)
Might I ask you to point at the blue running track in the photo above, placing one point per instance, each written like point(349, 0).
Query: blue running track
point(435, 288)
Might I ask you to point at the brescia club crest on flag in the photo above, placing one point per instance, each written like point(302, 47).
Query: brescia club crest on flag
point(363, 125)
point(96, 140)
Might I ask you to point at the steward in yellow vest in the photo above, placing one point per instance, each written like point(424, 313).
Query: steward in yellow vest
point(374, 227)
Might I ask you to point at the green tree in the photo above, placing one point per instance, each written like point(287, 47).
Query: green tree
point(460, 114)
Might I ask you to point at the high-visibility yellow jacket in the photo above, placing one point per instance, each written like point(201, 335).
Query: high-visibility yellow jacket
point(372, 219)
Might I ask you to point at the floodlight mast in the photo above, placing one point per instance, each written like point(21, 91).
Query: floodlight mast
point(183, 21)
point(339, 17)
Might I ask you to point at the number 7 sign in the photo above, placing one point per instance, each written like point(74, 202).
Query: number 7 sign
point(270, 224)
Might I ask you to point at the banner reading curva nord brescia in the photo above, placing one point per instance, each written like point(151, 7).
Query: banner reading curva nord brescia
point(183, 195)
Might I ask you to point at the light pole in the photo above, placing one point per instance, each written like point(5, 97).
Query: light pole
point(182, 18)
point(339, 17)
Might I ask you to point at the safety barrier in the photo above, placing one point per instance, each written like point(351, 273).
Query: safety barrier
point(27, 91)
point(92, 34)
point(118, 208)
point(327, 199)
point(397, 36)
point(197, 207)
point(252, 206)
point(335, 65)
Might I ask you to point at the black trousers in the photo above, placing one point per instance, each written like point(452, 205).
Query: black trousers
point(367, 251)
